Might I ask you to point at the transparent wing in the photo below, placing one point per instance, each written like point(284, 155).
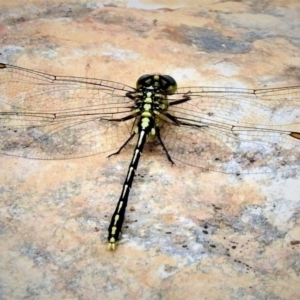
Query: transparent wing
point(222, 129)
point(236, 130)
point(51, 117)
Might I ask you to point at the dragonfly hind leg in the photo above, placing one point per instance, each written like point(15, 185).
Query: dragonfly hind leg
point(164, 147)
point(121, 148)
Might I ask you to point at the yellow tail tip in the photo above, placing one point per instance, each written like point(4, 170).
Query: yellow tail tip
point(112, 245)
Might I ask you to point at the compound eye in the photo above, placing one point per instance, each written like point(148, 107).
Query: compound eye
point(168, 79)
point(168, 84)
point(144, 80)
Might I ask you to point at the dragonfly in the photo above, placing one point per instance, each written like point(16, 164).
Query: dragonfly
point(228, 130)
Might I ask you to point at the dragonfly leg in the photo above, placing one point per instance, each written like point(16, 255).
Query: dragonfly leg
point(184, 99)
point(126, 142)
point(163, 145)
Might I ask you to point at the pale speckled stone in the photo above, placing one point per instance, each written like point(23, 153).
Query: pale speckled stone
point(191, 234)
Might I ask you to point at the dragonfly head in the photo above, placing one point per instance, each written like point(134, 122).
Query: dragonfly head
point(162, 83)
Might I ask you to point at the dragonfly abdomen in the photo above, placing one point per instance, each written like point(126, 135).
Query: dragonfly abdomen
point(145, 127)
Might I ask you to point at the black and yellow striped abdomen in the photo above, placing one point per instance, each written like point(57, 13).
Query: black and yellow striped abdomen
point(150, 104)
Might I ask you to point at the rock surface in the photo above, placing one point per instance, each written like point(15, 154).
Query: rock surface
point(189, 234)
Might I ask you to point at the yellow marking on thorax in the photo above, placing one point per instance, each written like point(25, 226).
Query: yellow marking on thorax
point(147, 107)
point(146, 114)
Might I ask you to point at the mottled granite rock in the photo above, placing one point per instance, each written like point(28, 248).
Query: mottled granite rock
point(189, 234)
